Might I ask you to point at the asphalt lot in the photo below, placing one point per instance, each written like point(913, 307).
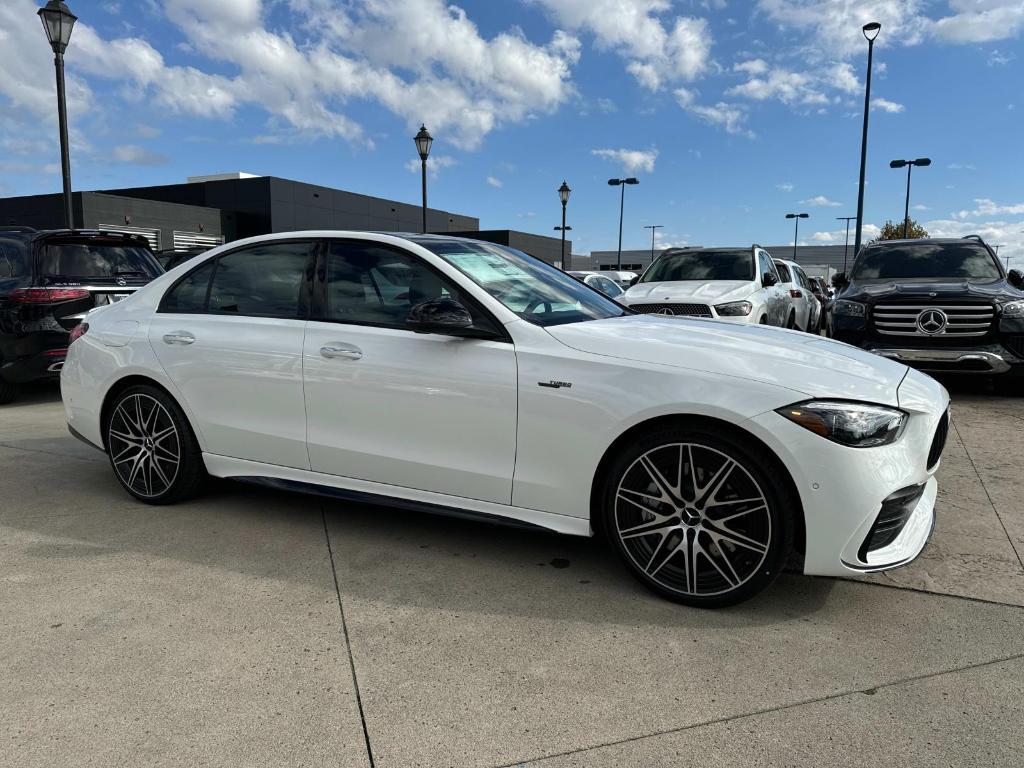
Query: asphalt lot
point(249, 628)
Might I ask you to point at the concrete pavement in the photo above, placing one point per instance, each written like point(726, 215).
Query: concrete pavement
point(256, 628)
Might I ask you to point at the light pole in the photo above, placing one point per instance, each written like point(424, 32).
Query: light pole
point(846, 245)
point(58, 21)
point(563, 196)
point(870, 31)
point(622, 205)
point(921, 161)
point(654, 228)
point(796, 227)
point(423, 141)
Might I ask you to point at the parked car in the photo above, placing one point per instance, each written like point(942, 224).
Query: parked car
point(621, 277)
point(170, 258)
point(599, 282)
point(804, 309)
point(824, 296)
point(48, 281)
point(940, 305)
point(736, 284)
point(498, 386)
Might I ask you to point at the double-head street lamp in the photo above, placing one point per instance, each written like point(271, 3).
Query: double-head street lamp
point(58, 21)
point(796, 227)
point(654, 228)
point(423, 141)
point(846, 245)
point(622, 203)
point(922, 162)
point(563, 195)
point(870, 31)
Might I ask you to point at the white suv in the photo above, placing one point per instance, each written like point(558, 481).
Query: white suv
point(736, 284)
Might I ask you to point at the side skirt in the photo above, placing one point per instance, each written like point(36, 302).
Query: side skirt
point(396, 497)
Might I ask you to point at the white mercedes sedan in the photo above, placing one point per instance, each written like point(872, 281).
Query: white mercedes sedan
point(456, 376)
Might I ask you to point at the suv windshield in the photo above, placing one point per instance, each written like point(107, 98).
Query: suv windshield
point(97, 259)
point(701, 265)
point(926, 260)
point(535, 291)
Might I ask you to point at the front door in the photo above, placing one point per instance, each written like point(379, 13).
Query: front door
point(229, 336)
point(385, 404)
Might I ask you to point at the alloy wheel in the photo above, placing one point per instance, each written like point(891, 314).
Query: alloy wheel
point(693, 519)
point(144, 445)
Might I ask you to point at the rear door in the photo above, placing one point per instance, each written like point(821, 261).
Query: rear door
point(777, 298)
point(229, 336)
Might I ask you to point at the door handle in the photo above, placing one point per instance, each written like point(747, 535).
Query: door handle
point(179, 337)
point(336, 349)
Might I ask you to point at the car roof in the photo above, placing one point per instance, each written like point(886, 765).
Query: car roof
point(926, 241)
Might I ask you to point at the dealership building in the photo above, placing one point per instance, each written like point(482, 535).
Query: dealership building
point(209, 210)
point(637, 260)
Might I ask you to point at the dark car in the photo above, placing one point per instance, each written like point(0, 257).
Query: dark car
point(48, 281)
point(939, 305)
point(820, 291)
point(171, 258)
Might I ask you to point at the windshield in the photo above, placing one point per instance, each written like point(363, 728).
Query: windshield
point(98, 259)
point(926, 260)
point(535, 291)
point(701, 265)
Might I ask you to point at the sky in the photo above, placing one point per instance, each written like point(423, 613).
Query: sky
point(731, 114)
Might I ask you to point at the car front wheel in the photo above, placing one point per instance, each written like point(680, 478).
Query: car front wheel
point(697, 516)
point(152, 448)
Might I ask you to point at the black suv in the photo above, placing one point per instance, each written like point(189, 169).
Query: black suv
point(941, 305)
point(48, 281)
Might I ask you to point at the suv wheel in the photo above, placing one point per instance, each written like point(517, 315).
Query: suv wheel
point(697, 517)
point(151, 446)
point(8, 392)
point(791, 322)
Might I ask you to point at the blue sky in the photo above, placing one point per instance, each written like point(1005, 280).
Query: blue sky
point(730, 113)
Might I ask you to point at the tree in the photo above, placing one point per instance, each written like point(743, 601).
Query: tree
point(894, 231)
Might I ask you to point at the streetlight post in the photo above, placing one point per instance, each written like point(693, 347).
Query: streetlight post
point(58, 21)
point(846, 245)
point(423, 141)
point(796, 227)
point(654, 228)
point(921, 161)
point(622, 205)
point(870, 32)
point(563, 196)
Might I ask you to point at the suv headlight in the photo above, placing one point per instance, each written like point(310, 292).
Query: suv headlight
point(1013, 309)
point(858, 425)
point(734, 309)
point(849, 308)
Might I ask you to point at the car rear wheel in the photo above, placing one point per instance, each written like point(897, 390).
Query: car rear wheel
point(8, 392)
point(152, 448)
point(697, 516)
point(791, 322)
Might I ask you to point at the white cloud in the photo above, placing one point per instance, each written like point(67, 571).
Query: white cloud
point(751, 67)
point(731, 117)
point(961, 167)
point(920, 207)
point(980, 21)
point(821, 201)
point(887, 106)
point(838, 236)
point(1009, 235)
point(631, 160)
point(784, 186)
point(659, 51)
point(434, 164)
point(494, 182)
point(783, 85)
point(986, 207)
point(997, 58)
point(136, 155)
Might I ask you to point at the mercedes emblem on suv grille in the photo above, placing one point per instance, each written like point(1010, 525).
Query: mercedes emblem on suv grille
point(932, 321)
point(666, 311)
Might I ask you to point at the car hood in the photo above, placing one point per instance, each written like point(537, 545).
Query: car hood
point(808, 364)
point(930, 290)
point(704, 291)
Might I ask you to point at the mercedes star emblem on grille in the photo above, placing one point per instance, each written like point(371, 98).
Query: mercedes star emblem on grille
point(932, 321)
point(121, 281)
point(666, 311)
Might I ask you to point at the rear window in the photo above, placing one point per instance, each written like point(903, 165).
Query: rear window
point(701, 265)
point(12, 257)
point(97, 259)
point(926, 260)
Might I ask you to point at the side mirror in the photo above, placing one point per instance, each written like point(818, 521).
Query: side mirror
point(445, 315)
point(768, 280)
point(634, 281)
point(1016, 278)
point(839, 280)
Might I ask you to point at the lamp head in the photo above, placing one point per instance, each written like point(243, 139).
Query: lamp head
point(423, 141)
point(923, 161)
point(897, 163)
point(615, 182)
point(563, 192)
point(631, 180)
point(871, 30)
point(58, 21)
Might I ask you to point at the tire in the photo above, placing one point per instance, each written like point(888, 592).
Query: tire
point(791, 322)
point(1008, 386)
point(8, 392)
point(676, 540)
point(152, 449)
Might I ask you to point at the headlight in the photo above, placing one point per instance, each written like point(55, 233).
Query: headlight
point(1013, 309)
point(858, 425)
point(734, 309)
point(850, 308)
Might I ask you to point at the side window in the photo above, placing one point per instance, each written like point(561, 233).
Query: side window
point(189, 295)
point(784, 275)
point(606, 286)
point(373, 284)
point(12, 258)
point(262, 281)
point(767, 265)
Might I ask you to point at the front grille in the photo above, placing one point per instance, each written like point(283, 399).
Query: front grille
point(939, 441)
point(891, 518)
point(962, 320)
point(1015, 344)
point(685, 310)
